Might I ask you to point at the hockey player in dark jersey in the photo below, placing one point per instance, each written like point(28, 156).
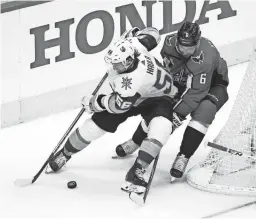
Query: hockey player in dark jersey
point(201, 76)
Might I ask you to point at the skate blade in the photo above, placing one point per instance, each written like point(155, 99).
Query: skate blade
point(121, 158)
point(129, 187)
point(137, 198)
point(23, 182)
point(48, 170)
point(173, 179)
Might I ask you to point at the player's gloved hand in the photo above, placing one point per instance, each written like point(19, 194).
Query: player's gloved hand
point(177, 120)
point(130, 33)
point(91, 104)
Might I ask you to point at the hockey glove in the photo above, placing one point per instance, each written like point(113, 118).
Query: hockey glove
point(92, 103)
point(177, 120)
point(130, 33)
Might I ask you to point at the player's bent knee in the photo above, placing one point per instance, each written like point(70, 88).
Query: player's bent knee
point(160, 129)
point(90, 131)
point(199, 126)
point(205, 113)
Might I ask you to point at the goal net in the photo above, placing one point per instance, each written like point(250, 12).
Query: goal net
point(222, 172)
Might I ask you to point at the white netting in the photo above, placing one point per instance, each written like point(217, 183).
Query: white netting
point(225, 173)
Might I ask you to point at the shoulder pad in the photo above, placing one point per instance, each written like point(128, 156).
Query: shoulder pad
point(170, 40)
point(207, 42)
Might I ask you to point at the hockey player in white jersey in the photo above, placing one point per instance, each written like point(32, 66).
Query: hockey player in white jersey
point(141, 86)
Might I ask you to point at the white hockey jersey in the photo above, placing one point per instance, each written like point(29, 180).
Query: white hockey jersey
point(146, 79)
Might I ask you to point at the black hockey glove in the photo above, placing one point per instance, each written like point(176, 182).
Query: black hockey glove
point(177, 120)
point(130, 33)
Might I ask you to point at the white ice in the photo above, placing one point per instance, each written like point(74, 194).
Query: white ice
point(25, 147)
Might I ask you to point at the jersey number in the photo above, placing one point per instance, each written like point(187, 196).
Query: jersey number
point(203, 79)
point(166, 82)
point(121, 103)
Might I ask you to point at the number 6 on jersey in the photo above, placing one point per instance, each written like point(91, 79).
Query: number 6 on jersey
point(203, 79)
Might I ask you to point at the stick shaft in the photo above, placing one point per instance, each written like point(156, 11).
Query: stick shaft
point(230, 151)
point(69, 130)
point(151, 178)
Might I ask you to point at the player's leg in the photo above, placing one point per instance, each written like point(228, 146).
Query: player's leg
point(192, 138)
point(92, 129)
point(202, 118)
point(159, 130)
point(133, 144)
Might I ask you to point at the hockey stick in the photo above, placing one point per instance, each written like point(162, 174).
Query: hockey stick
point(139, 199)
point(229, 150)
point(230, 209)
point(26, 182)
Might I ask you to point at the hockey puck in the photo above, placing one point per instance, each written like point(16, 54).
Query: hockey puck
point(72, 184)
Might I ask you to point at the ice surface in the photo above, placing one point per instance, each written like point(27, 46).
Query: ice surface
point(25, 147)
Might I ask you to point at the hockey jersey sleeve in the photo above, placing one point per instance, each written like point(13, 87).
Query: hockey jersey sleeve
point(220, 76)
point(168, 45)
point(191, 97)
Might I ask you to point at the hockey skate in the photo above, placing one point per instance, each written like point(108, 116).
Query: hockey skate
point(134, 181)
point(57, 162)
point(125, 149)
point(178, 167)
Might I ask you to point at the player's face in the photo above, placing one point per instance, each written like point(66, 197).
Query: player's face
point(186, 51)
point(119, 67)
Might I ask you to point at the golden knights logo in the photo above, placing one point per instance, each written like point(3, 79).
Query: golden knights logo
point(126, 83)
point(198, 59)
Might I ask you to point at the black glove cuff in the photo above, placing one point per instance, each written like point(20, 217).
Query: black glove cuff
point(99, 100)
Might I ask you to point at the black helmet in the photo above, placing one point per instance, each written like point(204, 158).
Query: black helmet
point(189, 34)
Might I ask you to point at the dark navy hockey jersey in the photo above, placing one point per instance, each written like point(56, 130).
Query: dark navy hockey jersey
point(194, 76)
